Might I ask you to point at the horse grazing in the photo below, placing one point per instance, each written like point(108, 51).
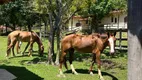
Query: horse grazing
point(94, 43)
point(24, 36)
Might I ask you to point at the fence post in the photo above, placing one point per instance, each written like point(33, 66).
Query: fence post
point(120, 39)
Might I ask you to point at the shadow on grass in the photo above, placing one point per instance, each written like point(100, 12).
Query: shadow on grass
point(21, 73)
point(37, 60)
point(26, 55)
point(85, 71)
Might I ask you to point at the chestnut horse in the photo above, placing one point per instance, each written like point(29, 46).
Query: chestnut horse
point(24, 36)
point(94, 43)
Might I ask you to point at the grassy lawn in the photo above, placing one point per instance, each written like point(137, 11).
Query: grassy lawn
point(36, 68)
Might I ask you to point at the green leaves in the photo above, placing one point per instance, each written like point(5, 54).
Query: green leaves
point(119, 4)
point(18, 12)
point(100, 8)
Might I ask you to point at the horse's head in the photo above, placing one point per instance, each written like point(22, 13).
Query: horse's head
point(111, 40)
point(41, 51)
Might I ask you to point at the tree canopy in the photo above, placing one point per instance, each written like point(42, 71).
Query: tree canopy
point(18, 12)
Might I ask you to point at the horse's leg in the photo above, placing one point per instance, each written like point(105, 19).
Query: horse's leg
point(71, 53)
point(30, 49)
point(9, 50)
point(18, 46)
point(26, 48)
point(93, 61)
point(62, 60)
point(13, 47)
point(99, 65)
point(9, 47)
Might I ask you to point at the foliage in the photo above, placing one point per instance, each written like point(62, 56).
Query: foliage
point(18, 12)
point(100, 8)
point(119, 4)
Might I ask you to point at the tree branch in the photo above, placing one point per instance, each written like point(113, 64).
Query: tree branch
point(72, 15)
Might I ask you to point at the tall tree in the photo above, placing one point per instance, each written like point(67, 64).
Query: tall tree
point(134, 39)
point(46, 8)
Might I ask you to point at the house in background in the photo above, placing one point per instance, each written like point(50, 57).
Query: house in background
point(3, 29)
point(115, 20)
point(78, 23)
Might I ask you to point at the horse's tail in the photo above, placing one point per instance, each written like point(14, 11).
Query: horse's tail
point(8, 43)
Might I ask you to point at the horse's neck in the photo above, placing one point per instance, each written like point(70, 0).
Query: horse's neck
point(105, 42)
point(39, 41)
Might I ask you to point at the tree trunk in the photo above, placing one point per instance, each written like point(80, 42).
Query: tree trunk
point(58, 26)
point(29, 27)
point(58, 47)
point(134, 39)
point(94, 24)
point(51, 41)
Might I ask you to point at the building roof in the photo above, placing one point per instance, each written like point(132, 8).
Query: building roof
point(117, 12)
point(80, 18)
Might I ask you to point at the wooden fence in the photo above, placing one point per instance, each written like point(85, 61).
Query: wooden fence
point(121, 42)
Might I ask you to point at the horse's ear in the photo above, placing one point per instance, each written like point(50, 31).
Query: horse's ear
point(98, 35)
point(108, 34)
point(114, 33)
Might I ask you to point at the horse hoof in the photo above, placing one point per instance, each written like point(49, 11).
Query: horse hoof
point(61, 75)
point(101, 78)
point(75, 73)
point(91, 73)
point(7, 57)
point(29, 55)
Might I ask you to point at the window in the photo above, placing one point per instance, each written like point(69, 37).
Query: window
point(112, 19)
point(115, 20)
point(87, 21)
point(78, 24)
point(125, 19)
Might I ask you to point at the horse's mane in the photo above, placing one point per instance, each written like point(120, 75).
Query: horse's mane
point(100, 35)
point(70, 33)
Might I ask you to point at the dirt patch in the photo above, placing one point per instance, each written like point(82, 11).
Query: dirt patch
point(108, 64)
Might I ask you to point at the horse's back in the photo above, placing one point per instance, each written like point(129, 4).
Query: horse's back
point(24, 36)
point(13, 34)
point(81, 43)
point(68, 37)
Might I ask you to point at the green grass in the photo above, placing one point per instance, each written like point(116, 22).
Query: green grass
point(36, 68)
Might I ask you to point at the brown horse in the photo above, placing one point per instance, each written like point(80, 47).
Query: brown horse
point(24, 36)
point(94, 43)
